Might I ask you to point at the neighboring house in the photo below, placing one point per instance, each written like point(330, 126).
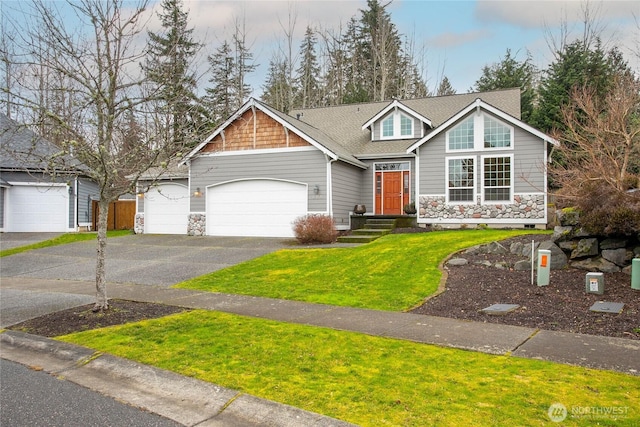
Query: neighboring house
point(32, 200)
point(463, 159)
point(162, 205)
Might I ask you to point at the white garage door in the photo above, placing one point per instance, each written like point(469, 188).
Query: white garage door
point(37, 209)
point(258, 207)
point(166, 209)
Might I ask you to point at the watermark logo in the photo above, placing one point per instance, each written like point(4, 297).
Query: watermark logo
point(557, 412)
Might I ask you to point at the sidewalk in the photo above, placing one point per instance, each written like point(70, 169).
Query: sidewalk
point(193, 402)
point(616, 354)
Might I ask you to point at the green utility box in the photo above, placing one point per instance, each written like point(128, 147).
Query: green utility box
point(595, 283)
point(635, 274)
point(544, 266)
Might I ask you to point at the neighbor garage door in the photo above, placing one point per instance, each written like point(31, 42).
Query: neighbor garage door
point(166, 209)
point(37, 209)
point(258, 207)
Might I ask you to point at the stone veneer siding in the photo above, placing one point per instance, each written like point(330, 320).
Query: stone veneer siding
point(526, 206)
point(138, 226)
point(197, 225)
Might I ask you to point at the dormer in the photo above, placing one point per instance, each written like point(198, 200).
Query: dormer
point(397, 121)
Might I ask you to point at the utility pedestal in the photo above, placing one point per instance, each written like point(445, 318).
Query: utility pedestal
point(595, 283)
point(544, 266)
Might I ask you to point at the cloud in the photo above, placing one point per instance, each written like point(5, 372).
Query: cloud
point(450, 40)
point(541, 13)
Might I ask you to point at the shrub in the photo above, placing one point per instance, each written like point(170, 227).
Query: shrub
point(315, 228)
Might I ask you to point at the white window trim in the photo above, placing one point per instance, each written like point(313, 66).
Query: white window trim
point(511, 131)
point(511, 184)
point(475, 180)
point(397, 126)
point(478, 135)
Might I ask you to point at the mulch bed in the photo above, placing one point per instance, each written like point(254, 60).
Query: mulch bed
point(83, 318)
point(563, 305)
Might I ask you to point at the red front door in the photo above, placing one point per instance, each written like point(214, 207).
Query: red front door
point(390, 192)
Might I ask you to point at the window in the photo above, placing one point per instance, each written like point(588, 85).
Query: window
point(497, 179)
point(461, 180)
point(461, 137)
point(397, 125)
point(406, 126)
point(496, 135)
point(387, 127)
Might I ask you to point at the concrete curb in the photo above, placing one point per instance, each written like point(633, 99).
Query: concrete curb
point(185, 400)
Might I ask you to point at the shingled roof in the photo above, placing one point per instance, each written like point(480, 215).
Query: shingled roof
point(343, 123)
point(21, 149)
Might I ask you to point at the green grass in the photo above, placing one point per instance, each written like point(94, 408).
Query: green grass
point(62, 240)
point(396, 272)
point(367, 380)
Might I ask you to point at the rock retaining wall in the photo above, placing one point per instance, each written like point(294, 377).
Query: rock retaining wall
point(138, 226)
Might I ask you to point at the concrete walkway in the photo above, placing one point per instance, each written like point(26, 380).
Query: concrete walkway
point(616, 354)
point(192, 402)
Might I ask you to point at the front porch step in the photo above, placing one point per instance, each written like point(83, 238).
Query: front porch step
point(356, 239)
point(373, 229)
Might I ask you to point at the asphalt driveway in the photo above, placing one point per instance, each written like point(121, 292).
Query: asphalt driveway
point(154, 260)
point(159, 260)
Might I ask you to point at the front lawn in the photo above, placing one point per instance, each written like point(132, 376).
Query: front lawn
point(395, 272)
point(63, 239)
point(370, 381)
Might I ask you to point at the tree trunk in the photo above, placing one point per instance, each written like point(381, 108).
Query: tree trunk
point(101, 285)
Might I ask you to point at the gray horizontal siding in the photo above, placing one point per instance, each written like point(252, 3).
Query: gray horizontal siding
point(528, 157)
point(2, 195)
point(308, 167)
point(346, 190)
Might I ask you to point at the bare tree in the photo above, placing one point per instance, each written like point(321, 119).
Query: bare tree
point(110, 127)
point(599, 155)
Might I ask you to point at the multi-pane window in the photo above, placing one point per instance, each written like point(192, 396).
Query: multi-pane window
point(387, 127)
point(461, 182)
point(461, 137)
point(397, 125)
point(496, 135)
point(497, 178)
point(406, 126)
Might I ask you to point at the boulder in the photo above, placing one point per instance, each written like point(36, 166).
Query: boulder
point(496, 248)
point(568, 245)
point(526, 249)
point(596, 264)
point(619, 257)
point(457, 261)
point(585, 248)
point(516, 248)
point(522, 265)
point(558, 257)
point(561, 233)
point(613, 244)
point(567, 217)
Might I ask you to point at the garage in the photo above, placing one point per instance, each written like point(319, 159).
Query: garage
point(166, 209)
point(37, 208)
point(255, 207)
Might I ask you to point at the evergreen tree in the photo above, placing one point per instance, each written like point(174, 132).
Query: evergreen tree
point(243, 66)
point(220, 98)
point(277, 86)
point(576, 66)
point(507, 74)
point(308, 73)
point(445, 87)
point(168, 66)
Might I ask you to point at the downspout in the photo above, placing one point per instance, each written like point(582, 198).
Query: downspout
point(76, 207)
point(329, 186)
point(416, 189)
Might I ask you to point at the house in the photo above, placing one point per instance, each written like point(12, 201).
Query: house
point(31, 198)
point(463, 159)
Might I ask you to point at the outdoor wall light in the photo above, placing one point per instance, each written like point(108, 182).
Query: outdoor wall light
point(316, 189)
point(197, 193)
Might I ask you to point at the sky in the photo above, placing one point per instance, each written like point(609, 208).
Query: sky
point(453, 38)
